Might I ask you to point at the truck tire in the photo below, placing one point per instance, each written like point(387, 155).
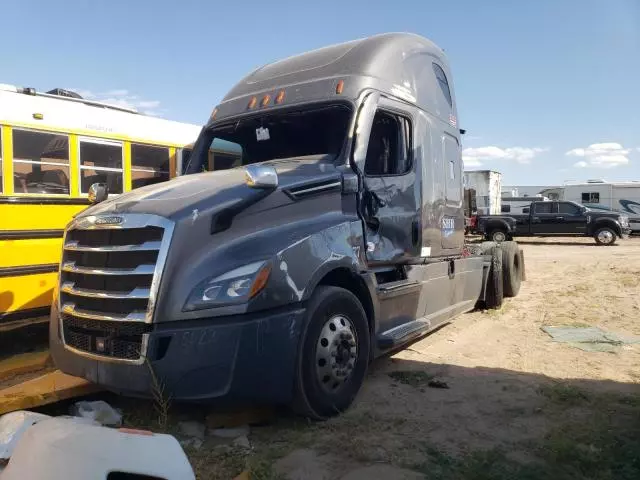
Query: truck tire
point(511, 268)
point(494, 295)
point(605, 236)
point(334, 354)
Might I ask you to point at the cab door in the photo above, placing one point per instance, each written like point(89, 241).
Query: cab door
point(573, 219)
point(545, 219)
point(390, 201)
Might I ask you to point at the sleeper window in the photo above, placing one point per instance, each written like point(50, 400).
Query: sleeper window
point(443, 82)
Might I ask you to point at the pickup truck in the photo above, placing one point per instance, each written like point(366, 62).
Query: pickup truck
point(556, 219)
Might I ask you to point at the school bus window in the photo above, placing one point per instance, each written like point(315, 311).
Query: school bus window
point(186, 155)
point(100, 162)
point(0, 158)
point(149, 164)
point(222, 161)
point(40, 163)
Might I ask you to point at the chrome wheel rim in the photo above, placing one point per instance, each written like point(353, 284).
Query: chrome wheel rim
point(336, 353)
point(605, 236)
point(499, 237)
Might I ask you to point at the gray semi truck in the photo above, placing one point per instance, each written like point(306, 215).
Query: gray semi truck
point(336, 237)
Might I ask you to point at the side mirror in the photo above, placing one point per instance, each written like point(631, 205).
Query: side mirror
point(98, 192)
point(261, 176)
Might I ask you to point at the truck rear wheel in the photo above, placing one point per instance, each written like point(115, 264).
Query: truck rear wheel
point(511, 268)
point(494, 294)
point(605, 236)
point(498, 236)
point(334, 354)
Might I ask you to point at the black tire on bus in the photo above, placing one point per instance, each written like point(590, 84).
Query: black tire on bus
point(333, 357)
point(511, 268)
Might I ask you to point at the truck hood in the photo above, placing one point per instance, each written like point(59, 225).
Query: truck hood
point(606, 214)
point(207, 191)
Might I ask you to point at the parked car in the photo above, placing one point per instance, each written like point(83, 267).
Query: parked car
point(561, 219)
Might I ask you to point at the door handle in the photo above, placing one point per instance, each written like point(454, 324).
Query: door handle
point(559, 218)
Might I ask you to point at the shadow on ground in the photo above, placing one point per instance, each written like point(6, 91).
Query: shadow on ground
point(441, 421)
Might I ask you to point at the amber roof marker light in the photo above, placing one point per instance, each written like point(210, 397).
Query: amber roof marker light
point(280, 97)
point(340, 87)
point(252, 102)
point(265, 100)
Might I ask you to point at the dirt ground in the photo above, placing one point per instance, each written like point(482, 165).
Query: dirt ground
point(490, 396)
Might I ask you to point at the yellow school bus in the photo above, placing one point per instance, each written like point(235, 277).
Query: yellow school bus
point(53, 146)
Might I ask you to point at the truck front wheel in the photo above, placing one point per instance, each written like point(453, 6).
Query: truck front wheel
point(334, 354)
point(605, 236)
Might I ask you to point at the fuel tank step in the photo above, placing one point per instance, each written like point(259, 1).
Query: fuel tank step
point(402, 333)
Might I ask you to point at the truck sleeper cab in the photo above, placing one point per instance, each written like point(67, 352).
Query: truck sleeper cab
point(337, 238)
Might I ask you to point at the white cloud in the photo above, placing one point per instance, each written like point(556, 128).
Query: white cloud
point(600, 155)
point(122, 98)
point(118, 93)
point(475, 156)
point(471, 162)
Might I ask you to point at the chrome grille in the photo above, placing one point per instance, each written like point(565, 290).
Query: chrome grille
point(109, 276)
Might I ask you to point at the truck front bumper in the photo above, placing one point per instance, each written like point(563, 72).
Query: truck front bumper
point(626, 232)
point(244, 357)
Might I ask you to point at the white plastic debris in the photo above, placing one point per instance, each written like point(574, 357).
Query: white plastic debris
point(64, 448)
point(12, 427)
point(99, 411)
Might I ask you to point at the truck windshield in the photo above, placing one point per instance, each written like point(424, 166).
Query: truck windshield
point(321, 130)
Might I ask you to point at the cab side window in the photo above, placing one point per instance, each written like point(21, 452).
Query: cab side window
point(389, 149)
point(544, 207)
point(569, 209)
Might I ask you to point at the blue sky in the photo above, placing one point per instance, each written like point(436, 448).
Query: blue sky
point(548, 90)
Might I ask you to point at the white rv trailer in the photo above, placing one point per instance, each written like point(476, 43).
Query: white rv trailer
point(523, 190)
point(520, 205)
point(602, 195)
point(487, 185)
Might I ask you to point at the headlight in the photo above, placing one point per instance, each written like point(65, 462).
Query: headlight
point(234, 287)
